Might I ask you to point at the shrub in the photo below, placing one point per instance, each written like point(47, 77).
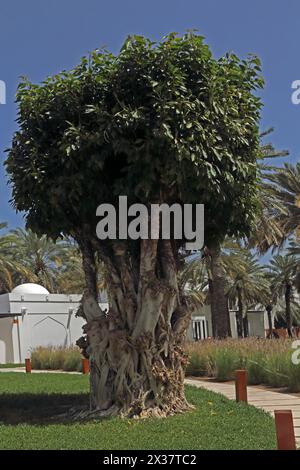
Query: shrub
point(197, 365)
point(255, 366)
point(293, 377)
point(40, 358)
point(226, 361)
point(266, 361)
point(72, 361)
point(56, 358)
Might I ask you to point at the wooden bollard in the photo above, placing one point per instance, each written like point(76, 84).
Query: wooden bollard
point(85, 366)
point(241, 385)
point(28, 366)
point(285, 430)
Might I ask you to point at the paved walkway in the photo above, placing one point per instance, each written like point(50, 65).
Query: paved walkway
point(259, 397)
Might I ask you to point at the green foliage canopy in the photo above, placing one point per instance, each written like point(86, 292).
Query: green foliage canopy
point(159, 122)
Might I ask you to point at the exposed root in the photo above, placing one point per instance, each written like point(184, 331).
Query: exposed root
point(160, 411)
point(80, 414)
point(83, 414)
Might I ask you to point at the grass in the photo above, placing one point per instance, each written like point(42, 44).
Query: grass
point(30, 405)
point(268, 362)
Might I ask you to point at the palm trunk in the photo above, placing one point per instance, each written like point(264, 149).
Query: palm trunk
point(3, 287)
point(239, 315)
point(288, 315)
point(269, 313)
point(246, 325)
point(219, 302)
point(136, 352)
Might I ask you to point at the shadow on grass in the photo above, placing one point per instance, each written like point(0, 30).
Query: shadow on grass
point(39, 408)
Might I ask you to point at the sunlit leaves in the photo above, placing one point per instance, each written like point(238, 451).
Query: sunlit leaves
point(157, 122)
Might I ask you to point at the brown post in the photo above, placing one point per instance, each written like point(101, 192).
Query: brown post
point(28, 366)
point(241, 385)
point(285, 430)
point(85, 366)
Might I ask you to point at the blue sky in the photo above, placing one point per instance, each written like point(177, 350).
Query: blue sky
point(40, 38)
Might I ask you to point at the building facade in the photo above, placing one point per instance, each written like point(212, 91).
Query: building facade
point(30, 316)
point(201, 324)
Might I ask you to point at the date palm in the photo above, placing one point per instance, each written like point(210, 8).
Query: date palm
point(286, 188)
point(11, 268)
point(247, 286)
point(40, 257)
point(194, 281)
point(268, 230)
point(282, 272)
point(70, 276)
point(6, 265)
point(198, 275)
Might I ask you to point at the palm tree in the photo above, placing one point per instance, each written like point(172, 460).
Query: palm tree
point(194, 281)
point(268, 230)
point(282, 214)
point(200, 277)
point(6, 265)
point(283, 277)
point(70, 276)
point(26, 257)
point(286, 188)
point(247, 286)
point(13, 270)
point(40, 257)
point(280, 316)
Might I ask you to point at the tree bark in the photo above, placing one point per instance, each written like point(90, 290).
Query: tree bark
point(219, 302)
point(288, 315)
point(245, 325)
point(269, 313)
point(136, 352)
point(239, 315)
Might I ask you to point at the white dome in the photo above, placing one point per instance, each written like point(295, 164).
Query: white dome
point(29, 288)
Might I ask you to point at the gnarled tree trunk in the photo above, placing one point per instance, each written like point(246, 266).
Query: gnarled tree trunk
point(136, 350)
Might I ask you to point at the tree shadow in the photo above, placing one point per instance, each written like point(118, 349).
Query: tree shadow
point(39, 409)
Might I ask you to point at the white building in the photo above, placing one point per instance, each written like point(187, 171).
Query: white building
point(201, 324)
point(30, 316)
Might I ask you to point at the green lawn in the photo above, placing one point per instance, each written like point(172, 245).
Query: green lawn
point(29, 404)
